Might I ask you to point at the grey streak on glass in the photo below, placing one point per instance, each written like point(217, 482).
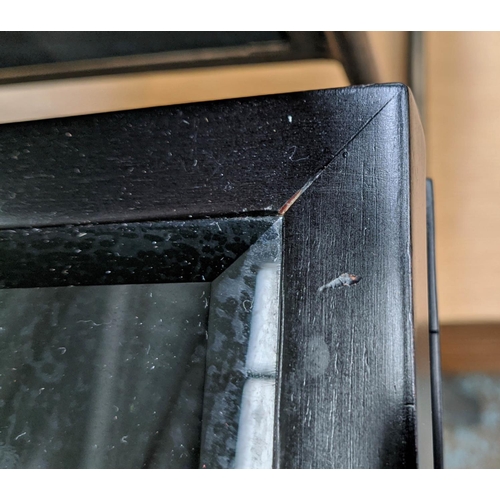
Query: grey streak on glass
point(229, 329)
point(102, 377)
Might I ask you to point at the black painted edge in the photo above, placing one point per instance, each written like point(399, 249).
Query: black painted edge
point(198, 204)
point(416, 221)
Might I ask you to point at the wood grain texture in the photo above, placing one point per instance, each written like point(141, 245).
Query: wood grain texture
point(216, 158)
point(348, 390)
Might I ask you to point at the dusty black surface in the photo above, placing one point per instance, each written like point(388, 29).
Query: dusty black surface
point(346, 169)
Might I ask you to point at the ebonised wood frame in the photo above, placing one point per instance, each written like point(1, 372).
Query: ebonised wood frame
point(345, 169)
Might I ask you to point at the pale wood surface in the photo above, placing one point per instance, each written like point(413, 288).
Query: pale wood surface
point(463, 136)
point(33, 101)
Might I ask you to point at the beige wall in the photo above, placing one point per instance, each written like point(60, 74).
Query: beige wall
point(390, 50)
point(463, 137)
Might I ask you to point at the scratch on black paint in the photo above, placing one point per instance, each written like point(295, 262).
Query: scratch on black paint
point(345, 279)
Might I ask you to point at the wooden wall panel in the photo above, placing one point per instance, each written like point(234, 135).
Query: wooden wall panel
point(390, 51)
point(463, 137)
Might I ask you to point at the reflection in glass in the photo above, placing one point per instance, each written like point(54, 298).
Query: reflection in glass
point(176, 375)
point(254, 445)
point(240, 385)
point(97, 377)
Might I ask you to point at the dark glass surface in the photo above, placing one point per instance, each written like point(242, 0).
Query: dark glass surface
point(98, 377)
point(127, 253)
point(167, 375)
